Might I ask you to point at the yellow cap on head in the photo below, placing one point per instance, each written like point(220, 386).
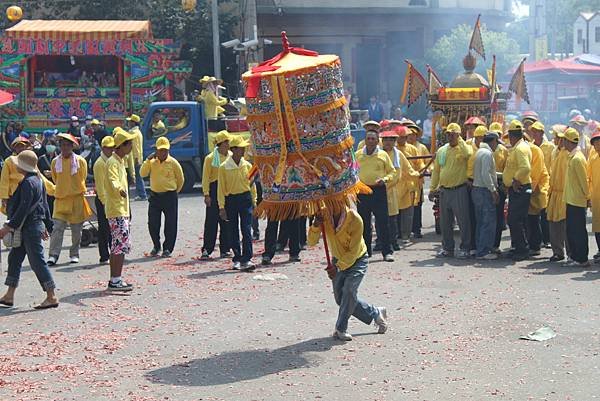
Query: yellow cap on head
point(496, 127)
point(238, 142)
point(480, 131)
point(453, 128)
point(108, 142)
point(515, 125)
point(134, 117)
point(121, 136)
point(571, 135)
point(163, 143)
point(221, 137)
point(95, 122)
point(538, 126)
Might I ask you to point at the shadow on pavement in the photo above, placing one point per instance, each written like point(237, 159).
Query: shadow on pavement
point(588, 276)
point(75, 299)
point(233, 367)
point(552, 268)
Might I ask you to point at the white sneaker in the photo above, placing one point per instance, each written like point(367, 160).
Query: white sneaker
point(462, 255)
point(74, 259)
point(51, 260)
point(342, 335)
point(247, 266)
point(236, 265)
point(381, 320)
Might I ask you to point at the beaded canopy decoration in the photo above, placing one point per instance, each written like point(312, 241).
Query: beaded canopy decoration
point(301, 134)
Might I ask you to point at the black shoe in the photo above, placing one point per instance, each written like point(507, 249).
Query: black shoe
point(597, 256)
point(279, 248)
point(556, 258)
point(396, 247)
point(103, 261)
point(294, 258)
point(417, 235)
point(535, 252)
point(154, 252)
point(166, 254)
point(225, 255)
point(266, 261)
point(303, 247)
point(121, 286)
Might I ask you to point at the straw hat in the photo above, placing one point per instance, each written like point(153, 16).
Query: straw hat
point(238, 142)
point(20, 139)
point(27, 161)
point(221, 137)
point(69, 138)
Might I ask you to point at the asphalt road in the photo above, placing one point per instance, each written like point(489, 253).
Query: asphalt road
point(194, 330)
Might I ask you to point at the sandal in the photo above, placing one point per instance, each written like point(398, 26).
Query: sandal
point(6, 303)
point(45, 306)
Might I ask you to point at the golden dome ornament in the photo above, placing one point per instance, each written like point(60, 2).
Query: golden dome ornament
point(14, 13)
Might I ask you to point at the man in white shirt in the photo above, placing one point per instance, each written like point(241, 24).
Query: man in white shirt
point(485, 196)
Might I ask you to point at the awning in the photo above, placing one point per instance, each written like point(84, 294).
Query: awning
point(80, 30)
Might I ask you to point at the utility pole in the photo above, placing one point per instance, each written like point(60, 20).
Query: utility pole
point(216, 40)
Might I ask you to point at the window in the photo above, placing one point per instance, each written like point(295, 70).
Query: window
point(168, 120)
point(579, 36)
point(597, 34)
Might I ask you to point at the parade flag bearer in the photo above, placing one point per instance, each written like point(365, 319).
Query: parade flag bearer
point(236, 199)
point(343, 232)
point(166, 181)
point(117, 209)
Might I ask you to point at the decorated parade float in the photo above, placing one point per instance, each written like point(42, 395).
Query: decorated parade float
point(106, 69)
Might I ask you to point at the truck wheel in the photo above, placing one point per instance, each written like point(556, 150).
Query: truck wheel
point(189, 176)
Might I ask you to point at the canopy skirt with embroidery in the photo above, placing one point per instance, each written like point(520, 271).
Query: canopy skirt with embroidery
point(300, 129)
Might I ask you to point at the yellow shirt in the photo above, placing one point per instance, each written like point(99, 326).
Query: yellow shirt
point(210, 173)
point(374, 166)
point(100, 177)
point(548, 150)
point(406, 184)
point(540, 181)
point(593, 172)
point(116, 181)
point(180, 125)
point(10, 178)
point(450, 166)
point(159, 129)
point(137, 150)
point(557, 208)
point(212, 103)
point(70, 204)
point(164, 176)
point(500, 156)
point(576, 188)
point(345, 241)
point(233, 180)
point(391, 187)
point(518, 164)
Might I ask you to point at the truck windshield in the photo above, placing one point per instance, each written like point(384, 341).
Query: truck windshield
point(168, 120)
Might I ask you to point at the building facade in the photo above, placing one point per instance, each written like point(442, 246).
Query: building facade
point(586, 34)
point(372, 38)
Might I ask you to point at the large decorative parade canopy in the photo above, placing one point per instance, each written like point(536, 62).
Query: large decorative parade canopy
point(80, 30)
point(301, 133)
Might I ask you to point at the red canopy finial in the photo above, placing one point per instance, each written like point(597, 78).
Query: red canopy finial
point(285, 42)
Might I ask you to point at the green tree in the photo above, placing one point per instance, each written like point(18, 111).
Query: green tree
point(447, 53)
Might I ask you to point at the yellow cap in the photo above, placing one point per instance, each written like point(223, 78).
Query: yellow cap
point(480, 131)
point(121, 136)
point(538, 126)
point(496, 127)
point(237, 141)
point(515, 125)
point(134, 117)
point(453, 128)
point(108, 142)
point(221, 137)
point(571, 135)
point(95, 122)
point(163, 143)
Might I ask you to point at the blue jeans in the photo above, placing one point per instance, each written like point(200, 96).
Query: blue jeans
point(140, 187)
point(485, 220)
point(345, 291)
point(239, 213)
point(31, 245)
